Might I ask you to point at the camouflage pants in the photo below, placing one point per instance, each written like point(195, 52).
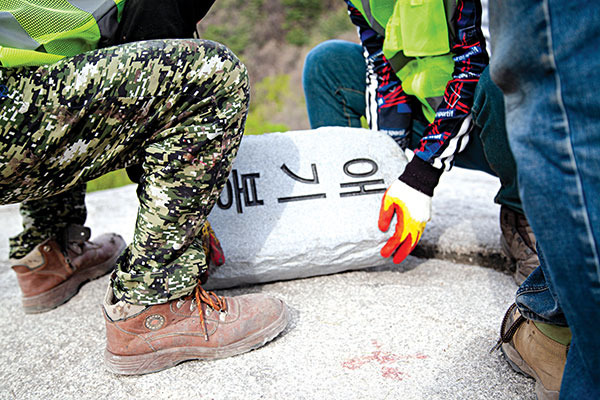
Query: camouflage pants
point(47, 218)
point(177, 107)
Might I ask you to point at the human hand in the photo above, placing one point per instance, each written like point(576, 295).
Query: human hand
point(413, 210)
point(215, 256)
point(212, 246)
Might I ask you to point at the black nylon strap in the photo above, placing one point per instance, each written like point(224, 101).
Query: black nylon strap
point(374, 24)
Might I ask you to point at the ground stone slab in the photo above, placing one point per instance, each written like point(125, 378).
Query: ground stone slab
point(422, 330)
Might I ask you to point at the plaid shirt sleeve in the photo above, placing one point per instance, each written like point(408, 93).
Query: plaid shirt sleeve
point(449, 132)
point(387, 104)
point(388, 108)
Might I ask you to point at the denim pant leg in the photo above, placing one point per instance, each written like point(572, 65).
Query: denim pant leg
point(488, 149)
point(334, 80)
point(490, 127)
point(545, 60)
point(537, 299)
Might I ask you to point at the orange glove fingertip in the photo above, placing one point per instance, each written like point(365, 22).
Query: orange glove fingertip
point(404, 250)
point(385, 218)
point(390, 246)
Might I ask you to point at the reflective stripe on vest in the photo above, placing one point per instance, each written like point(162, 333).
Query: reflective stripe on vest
point(41, 32)
point(104, 12)
point(13, 35)
point(378, 24)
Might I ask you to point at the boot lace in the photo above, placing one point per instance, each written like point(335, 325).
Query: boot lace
point(211, 300)
point(506, 335)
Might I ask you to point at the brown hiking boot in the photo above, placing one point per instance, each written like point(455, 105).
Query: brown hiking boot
point(48, 277)
point(532, 353)
point(141, 340)
point(518, 243)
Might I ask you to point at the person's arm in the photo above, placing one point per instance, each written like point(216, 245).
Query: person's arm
point(449, 132)
point(387, 107)
point(160, 19)
point(409, 197)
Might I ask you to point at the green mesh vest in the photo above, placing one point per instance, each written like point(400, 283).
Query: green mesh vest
point(416, 43)
point(37, 32)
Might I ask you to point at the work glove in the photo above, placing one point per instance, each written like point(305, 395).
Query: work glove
point(413, 210)
point(215, 256)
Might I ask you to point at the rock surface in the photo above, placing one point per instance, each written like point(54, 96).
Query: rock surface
point(304, 203)
point(266, 238)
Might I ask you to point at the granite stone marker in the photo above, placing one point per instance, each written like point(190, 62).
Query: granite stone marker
point(304, 203)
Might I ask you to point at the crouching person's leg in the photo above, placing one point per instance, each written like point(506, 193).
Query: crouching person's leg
point(178, 108)
point(157, 315)
point(517, 240)
point(54, 254)
point(48, 218)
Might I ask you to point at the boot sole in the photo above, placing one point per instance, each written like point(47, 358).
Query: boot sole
point(519, 365)
point(62, 293)
point(163, 359)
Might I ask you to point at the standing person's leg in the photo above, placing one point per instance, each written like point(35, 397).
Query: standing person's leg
point(334, 81)
point(177, 107)
point(552, 116)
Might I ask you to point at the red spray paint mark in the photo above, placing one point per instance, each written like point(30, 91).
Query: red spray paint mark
point(392, 373)
point(382, 358)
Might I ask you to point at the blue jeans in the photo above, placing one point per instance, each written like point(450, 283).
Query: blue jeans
point(546, 60)
point(334, 87)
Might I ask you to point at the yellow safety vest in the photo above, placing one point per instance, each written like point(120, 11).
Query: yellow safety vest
point(416, 43)
point(38, 32)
